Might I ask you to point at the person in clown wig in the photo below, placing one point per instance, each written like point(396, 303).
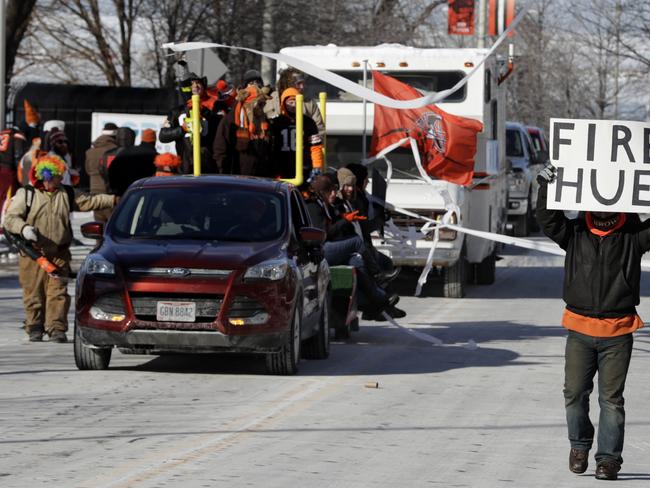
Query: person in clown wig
point(41, 214)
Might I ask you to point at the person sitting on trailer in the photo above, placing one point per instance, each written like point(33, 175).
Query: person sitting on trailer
point(41, 214)
point(343, 247)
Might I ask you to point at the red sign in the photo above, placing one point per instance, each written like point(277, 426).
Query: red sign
point(500, 15)
point(461, 17)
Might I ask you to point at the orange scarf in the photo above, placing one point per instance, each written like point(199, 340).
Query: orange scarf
point(603, 233)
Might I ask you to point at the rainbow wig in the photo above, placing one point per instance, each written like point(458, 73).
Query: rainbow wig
point(48, 167)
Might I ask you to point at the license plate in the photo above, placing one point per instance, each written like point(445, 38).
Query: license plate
point(175, 311)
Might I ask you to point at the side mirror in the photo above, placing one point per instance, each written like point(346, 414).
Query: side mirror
point(508, 165)
point(312, 236)
point(543, 157)
point(93, 230)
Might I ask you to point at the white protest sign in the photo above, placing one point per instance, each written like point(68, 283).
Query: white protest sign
point(602, 165)
point(137, 122)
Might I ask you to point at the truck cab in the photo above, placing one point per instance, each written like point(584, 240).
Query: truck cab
point(525, 162)
point(482, 205)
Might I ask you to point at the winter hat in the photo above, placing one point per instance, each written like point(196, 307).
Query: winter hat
point(110, 129)
point(31, 115)
point(359, 170)
point(322, 184)
point(148, 135)
point(252, 75)
point(346, 177)
point(56, 136)
point(288, 93)
point(52, 124)
point(167, 160)
point(49, 166)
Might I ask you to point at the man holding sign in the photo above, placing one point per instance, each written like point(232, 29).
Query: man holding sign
point(600, 171)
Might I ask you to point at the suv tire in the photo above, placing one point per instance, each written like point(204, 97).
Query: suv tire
point(285, 361)
point(318, 346)
point(89, 358)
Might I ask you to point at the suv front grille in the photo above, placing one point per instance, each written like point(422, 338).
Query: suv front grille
point(207, 307)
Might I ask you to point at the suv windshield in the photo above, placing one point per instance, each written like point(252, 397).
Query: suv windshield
point(205, 213)
point(424, 81)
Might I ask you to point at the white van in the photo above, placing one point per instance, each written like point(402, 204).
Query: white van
point(483, 206)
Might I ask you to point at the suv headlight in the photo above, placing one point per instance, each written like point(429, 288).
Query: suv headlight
point(272, 270)
point(96, 264)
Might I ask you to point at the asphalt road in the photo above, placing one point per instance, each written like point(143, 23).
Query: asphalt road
point(484, 409)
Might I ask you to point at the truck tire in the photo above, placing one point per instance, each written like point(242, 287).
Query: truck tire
point(318, 346)
point(285, 361)
point(521, 228)
point(89, 358)
point(486, 270)
point(454, 279)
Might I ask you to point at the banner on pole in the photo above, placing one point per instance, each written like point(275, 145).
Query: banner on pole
point(500, 16)
point(460, 18)
point(602, 165)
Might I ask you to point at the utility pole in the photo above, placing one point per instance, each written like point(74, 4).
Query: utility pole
point(3, 41)
point(268, 43)
point(481, 24)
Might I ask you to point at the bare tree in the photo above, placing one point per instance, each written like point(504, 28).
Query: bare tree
point(172, 21)
point(19, 14)
point(93, 32)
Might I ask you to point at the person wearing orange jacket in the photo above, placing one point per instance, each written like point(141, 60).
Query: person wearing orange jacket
point(283, 130)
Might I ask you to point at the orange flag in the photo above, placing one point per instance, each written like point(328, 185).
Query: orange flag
point(446, 142)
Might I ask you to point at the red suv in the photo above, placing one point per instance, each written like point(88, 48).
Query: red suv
point(207, 264)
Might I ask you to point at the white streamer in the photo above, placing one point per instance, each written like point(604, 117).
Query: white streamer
point(348, 85)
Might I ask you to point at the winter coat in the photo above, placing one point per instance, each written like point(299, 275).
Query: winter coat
point(283, 150)
point(50, 214)
point(93, 157)
point(253, 161)
point(601, 274)
point(328, 219)
point(173, 131)
point(310, 109)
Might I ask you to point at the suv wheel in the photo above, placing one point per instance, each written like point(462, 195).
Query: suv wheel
point(318, 346)
point(87, 357)
point(285, 361)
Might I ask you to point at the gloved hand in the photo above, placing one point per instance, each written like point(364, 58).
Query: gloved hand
point(314, 173)
point(30, 233)
point(547, 174)
point(351, 216)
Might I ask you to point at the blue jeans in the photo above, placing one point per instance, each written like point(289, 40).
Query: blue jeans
point(349, 252)
point(610, 357)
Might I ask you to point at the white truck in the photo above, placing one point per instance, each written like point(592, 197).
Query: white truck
point(483, 205)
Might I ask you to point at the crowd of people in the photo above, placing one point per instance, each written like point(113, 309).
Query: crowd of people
point(246, 131)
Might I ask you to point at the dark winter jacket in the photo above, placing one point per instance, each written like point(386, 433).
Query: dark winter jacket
point(176, 133)
point(601, 274)
point(254, 161)
point(328, 219)
point(283, 129)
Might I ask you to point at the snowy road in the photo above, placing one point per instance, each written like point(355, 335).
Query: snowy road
point(445, 416)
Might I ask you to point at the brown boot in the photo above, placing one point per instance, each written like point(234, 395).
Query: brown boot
point(58, 336)
point(607, 470)
point(578, 460)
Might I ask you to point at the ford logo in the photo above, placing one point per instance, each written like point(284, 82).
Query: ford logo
point(179, 272)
